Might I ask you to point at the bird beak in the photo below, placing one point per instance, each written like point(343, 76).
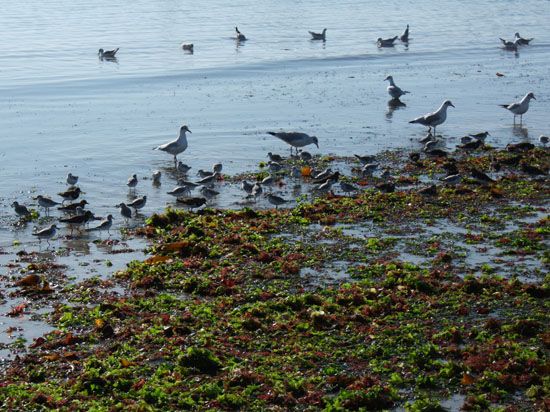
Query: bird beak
point(317, 144)
point(450, 104)
point(534, 98)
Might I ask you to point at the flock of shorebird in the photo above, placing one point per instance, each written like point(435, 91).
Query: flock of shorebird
point(77, 217)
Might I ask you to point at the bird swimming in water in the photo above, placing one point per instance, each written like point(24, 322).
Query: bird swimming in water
point(240, 36)
point(405, 36)
point(318, 36)
point(107, 54)
point(386, 42)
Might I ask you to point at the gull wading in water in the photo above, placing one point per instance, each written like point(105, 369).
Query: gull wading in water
point(393, 90)
point(296, 139)
point(175, 147)
point(436, 118)
point(318, 36)
point(521, 107)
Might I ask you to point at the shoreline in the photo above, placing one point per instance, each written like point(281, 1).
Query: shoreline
point(368, 300)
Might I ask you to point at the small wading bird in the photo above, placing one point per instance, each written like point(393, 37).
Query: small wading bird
point(175, 147)
point(521, 107)
point(295, 139)
point(72, 179)
point(318, 36)
point(104, 225)
point(46, 233)
point(20, 210)
point(436, 118)
point(46, 202)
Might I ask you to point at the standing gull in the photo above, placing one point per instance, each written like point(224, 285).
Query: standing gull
point(318, 36)
point(393, 90)
point(175, 147)
point(521, 107)
point(295, 139)
point(436, 118)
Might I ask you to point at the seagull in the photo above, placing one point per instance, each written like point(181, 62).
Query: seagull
point(175, 147)
point(295, 139)
point(107, 54)
point(132, 182)
point(240, 36)
point(125, 211)
point(46, 233)
point(386, 42)
point(521, 107)
point(275, 200)
point(436, 118)
point(156, 177)
point(187, 47)
point(394, 91)
point(104, 225)
point(405, 36)
point(521, 40)
point(138, 203)
point(20, 210)
point(71, 194)
point(46, 202)
point(72, 179)
point(183, 168)
point(318, 36)
point(510, 45)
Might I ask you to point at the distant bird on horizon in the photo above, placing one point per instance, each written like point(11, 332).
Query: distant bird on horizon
point(175, 147)
point(318, 36)
point(436, 118)
point(296, 139)
point(393, 90)
point(521, 107)
point(187, 47)
point(405, 36)
point(107, 54)
point(380, 42)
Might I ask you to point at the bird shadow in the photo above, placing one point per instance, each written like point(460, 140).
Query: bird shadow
point(393, 105)
point(520, 131)
point(109, 59)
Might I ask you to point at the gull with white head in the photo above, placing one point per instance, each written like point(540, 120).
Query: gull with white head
point(436, 118)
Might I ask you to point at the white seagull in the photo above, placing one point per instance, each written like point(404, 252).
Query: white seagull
point(296, 139)
point(393, 90)
point(175, 147)
point(521, 107)
point(436, 118)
